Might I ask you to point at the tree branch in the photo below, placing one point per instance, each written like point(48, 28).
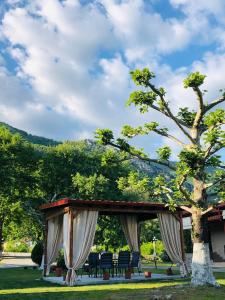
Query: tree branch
point(209, 185)
point(167, 115)
point(214, 103)
point(170, 114)
point(169, 136)
point(201, 111)
point(207, 210)
point(150, 160)
point(217, 148)
point(183, 190)
point(186, 208)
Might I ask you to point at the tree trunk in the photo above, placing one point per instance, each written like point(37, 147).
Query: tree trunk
point(201, 265)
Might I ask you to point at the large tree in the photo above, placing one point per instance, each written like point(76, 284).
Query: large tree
point(198, 181)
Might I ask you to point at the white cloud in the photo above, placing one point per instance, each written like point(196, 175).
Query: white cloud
point(74, 60)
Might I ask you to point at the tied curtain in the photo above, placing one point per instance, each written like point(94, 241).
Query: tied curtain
point(83, 228)
point(130, 228)
point(170, 233)
point(54, 240)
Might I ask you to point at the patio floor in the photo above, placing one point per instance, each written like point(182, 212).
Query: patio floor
point(86, 280)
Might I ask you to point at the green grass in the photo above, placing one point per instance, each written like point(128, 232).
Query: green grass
point(27, 284)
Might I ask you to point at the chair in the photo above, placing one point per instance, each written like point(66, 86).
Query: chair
point(135, 261)
point(93, 262)
point(106, 261)
point(123, 261)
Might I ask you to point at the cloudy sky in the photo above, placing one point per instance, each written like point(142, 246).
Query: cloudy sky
point(64, 65)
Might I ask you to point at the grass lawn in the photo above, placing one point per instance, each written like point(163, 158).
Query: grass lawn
point(27, 284)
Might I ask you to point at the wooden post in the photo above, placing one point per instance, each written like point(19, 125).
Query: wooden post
point(45, 246)
point(182, 241)
point(71, 244)
point(182, 237)
point(139, 235)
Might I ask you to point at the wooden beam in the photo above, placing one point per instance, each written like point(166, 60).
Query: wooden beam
point(45, 247)
point(182, 241)
point(71, 215)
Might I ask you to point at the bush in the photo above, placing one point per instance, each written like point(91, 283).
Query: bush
point(16, 246)
point(147, 249)
point(37, 252)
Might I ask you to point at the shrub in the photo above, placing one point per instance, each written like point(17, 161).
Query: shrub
point(16, 246)
point(147, 249)
point(37, 252)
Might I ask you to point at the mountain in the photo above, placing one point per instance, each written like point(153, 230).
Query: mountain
point(143, 167)
point(39, 140)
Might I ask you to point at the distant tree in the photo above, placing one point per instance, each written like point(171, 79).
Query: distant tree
point(199, 171)
point(18, 161)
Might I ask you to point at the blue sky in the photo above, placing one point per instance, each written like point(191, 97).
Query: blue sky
point(64, 65)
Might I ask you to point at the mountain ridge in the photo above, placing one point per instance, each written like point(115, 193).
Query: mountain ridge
point(35, 139)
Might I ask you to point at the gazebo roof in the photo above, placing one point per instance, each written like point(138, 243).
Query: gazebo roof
point(144, 210)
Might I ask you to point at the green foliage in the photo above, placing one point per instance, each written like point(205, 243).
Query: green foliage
point(215, 118)
point(90, 187)
point(147, 249)
point(141, 99)
point(122, 143)
point(187, 116)
point(109, 235)
point(134, 186)
point(194, 80)
point(150, 229)
point(130, 132)
point(16, 246)
point(37, 252)
point(164, 153)
point(191, 159)
point(151, 126)
point(142, 77)
point(104, 136)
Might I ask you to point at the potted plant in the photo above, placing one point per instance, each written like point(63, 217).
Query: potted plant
point(60, 266)
point(106, 275)
point(148, 274)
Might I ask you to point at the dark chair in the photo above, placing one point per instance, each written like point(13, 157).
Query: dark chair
point(123, 261)
point(93, 263)
point(106, 261)
point(135, 261)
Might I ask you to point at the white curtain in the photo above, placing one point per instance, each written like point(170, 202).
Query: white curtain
point(54, 240)
point(170, 233)
point(130, 228)
point(84, 227)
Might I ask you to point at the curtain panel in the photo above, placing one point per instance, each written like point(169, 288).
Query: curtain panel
point(83, 227)
point(170, 233)
point(130, 228)
point(54, 240)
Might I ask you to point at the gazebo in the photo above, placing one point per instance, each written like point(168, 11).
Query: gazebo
point(72, 223)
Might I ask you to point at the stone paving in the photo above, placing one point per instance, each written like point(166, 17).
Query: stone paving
point(15, 261)
point(86, 280)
